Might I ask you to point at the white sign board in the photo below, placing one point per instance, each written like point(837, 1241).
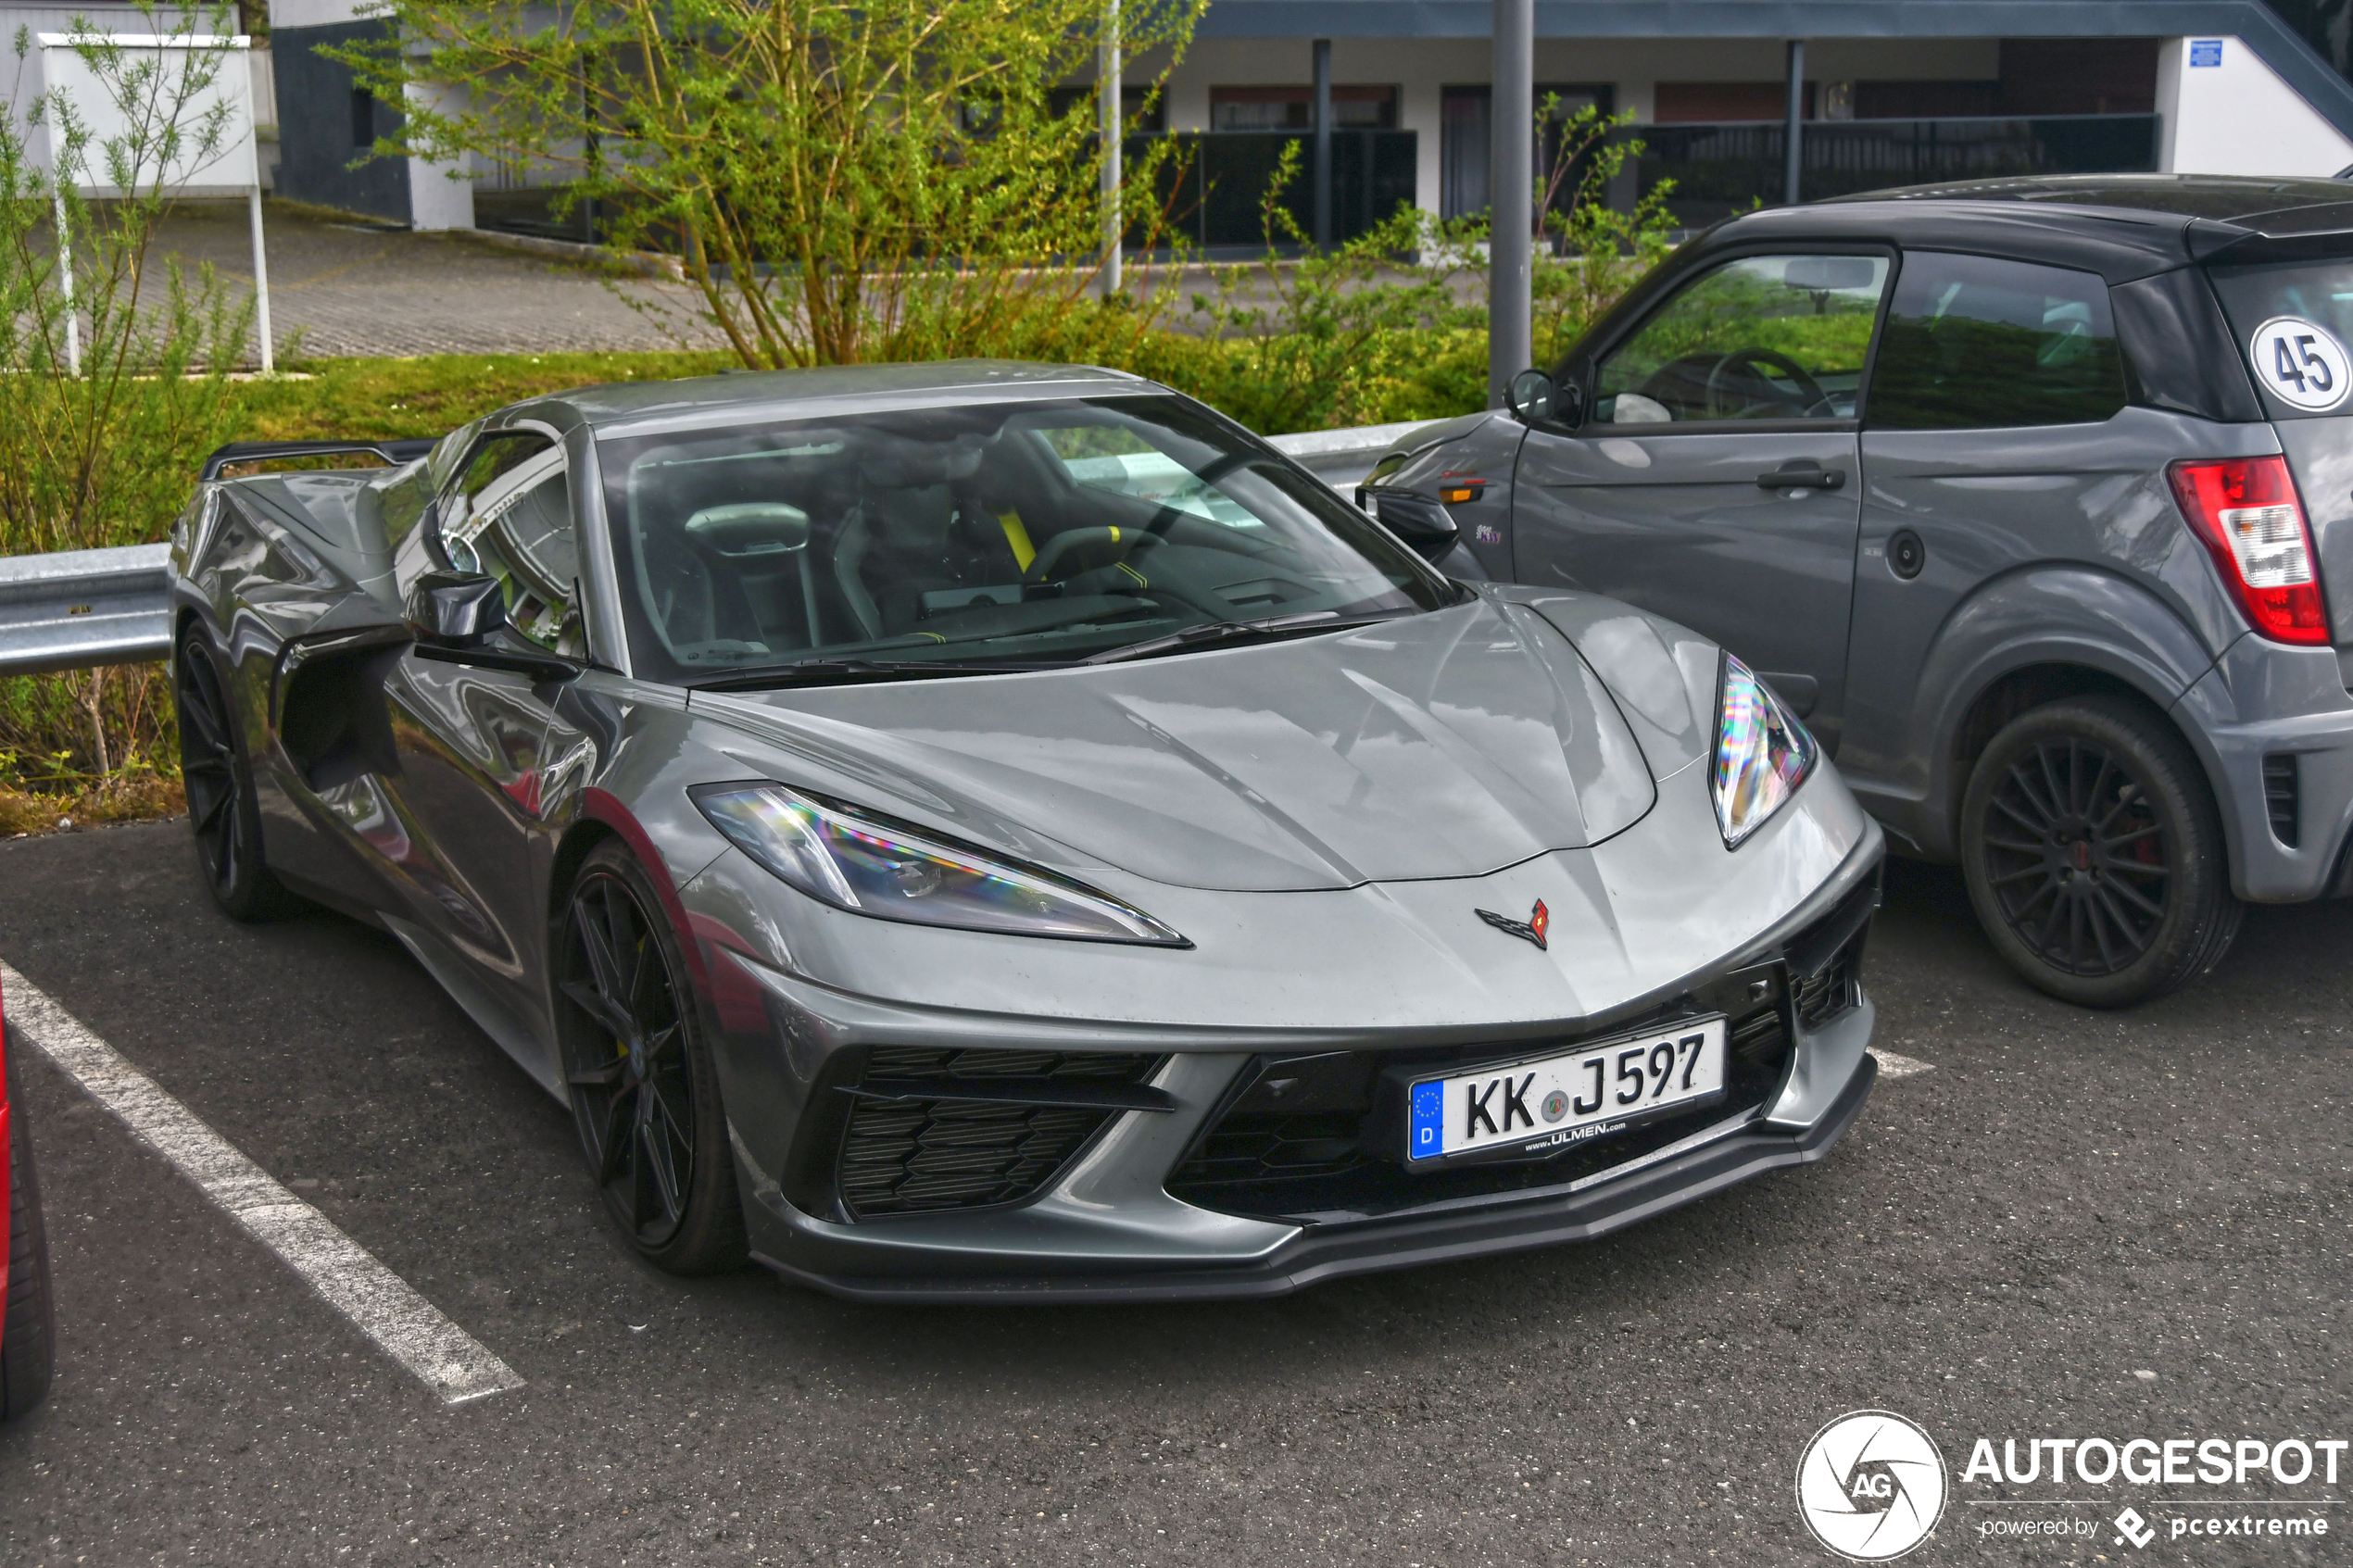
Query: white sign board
point(56, 66)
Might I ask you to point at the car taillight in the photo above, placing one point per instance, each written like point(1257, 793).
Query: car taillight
point(2246, 510)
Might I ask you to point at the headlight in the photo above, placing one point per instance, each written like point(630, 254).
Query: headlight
point(1762, 753)
point(876, 867)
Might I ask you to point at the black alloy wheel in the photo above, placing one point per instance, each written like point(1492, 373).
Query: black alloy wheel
point(2094, 854)
point(223, 808)
point(643, 1089)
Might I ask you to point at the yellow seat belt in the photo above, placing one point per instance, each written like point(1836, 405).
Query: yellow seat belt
point(1018, 537)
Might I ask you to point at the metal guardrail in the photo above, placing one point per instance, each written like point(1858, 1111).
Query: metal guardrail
point(79, 610)
point(82, 608)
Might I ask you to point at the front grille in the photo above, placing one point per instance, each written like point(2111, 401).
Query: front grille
point(933, 1130)
point(2283, 789)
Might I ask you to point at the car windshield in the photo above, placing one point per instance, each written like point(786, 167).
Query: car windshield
point(1024, 535)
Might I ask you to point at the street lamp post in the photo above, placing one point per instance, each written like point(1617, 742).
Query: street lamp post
point(1511, 182)
point(1108, 69)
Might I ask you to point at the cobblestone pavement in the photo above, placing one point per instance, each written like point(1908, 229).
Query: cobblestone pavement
point(349, 289)
point(353, 290)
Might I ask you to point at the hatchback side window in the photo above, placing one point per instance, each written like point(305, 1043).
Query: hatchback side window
point(1765, 337)
point(1977, 344)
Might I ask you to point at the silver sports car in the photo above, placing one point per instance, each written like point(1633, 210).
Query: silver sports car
point(983, 830)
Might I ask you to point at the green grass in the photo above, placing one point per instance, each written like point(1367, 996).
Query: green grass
point(434, 394)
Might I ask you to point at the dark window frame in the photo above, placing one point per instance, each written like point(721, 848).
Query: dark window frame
point(1583, 365)
point(1909, 273)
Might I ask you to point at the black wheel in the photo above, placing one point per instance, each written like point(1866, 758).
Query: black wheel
point(219, 780)
point(2094, 856)
point(643, 1088)
point(29, 1330)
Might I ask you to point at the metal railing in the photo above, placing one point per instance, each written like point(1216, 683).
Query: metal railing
point(1722, 168)
point(80, 610)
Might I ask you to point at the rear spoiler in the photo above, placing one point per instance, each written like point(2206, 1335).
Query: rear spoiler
point(2308, 233)
point(396, 453)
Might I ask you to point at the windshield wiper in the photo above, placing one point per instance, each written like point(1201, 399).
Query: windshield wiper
point(844, 672)
point(1210, 632)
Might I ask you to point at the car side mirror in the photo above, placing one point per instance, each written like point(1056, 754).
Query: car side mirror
point(1538, 402)
point(1428, 528)
point(455, 609)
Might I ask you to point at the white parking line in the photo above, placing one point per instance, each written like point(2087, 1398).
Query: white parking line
point(1892, 1066)
point(381, 1304)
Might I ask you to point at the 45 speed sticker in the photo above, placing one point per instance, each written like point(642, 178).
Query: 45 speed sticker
point(2301, 362)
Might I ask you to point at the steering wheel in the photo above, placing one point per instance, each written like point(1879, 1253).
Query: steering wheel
point(1751, 361)
point(1050, 554)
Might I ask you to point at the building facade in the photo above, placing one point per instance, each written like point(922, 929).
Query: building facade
point(1894, 91)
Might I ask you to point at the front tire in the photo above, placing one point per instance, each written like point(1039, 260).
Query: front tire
point(29, 1328)
point(2095, 855)
point(643, 1092)
point(223, 808)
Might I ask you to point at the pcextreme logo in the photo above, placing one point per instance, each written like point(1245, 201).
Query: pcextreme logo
point(1871, 1485)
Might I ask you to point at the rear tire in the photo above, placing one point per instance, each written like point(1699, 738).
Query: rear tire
point(29, 1330)
point(645, 1093)
point(2095, 855)
point(223, 808)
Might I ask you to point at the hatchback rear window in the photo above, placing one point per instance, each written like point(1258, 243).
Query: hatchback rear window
point(2293, 323)
point(1972, 343)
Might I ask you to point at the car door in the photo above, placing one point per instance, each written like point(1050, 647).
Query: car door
point(1712, 481)
point(473, 740)
point(1991, 439)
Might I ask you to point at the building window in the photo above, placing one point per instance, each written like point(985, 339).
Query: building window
point(1704, 103)
point(1464, 148)
point(363, 119)
point(1292, 108)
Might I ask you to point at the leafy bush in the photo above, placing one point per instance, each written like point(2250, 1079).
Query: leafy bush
point(1335, 337)
point(118, 368)
point(897, 180)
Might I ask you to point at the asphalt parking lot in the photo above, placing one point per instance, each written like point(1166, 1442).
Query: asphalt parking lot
point(2065, 1199)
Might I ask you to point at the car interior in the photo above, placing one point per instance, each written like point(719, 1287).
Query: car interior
point(1045, 527)
point(1760, 338)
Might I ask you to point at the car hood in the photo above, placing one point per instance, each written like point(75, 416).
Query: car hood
point(1449, 744)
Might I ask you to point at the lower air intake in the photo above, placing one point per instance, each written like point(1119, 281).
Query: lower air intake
point(914, 1143)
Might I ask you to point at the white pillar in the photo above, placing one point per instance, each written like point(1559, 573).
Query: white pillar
point(65, 287)
point(261, 286)
point(436, 199)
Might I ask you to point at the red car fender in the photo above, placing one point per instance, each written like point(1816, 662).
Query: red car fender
point(6, 1165)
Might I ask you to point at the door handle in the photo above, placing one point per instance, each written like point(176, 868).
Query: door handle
point(1802, 473)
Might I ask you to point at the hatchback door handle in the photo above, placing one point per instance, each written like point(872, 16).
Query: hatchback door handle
point(1801, 474)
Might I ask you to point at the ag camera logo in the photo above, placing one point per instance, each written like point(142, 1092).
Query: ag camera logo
point(1871, 1485)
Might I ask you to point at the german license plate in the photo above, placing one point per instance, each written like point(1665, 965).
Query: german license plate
point(1552, 1101)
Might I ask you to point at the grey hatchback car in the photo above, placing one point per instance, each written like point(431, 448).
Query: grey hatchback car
point(2034, 497)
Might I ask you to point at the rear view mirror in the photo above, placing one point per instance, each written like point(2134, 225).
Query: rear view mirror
point(457, 610)
point(1829, 274)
